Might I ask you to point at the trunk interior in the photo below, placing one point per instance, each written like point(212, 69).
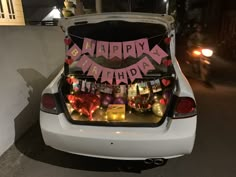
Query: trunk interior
point(143, 102)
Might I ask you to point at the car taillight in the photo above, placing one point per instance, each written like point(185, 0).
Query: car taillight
point(185, 107)
point(48, 103)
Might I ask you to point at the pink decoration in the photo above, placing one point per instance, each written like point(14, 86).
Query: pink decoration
point(145, 65)
point(134, 72)
point(121, 76)
point(84, 63)
point(74, 52)
point(107, 75)
point(157, 54)
point(115, 50)
point(129, 49)
point(89, 46)
point(142, 46)
point(102, 49)
point(95, 70)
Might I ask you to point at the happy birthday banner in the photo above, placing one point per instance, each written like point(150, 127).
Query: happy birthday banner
point(118, 50)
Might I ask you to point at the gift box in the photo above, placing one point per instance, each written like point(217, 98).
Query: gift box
point(115, 112)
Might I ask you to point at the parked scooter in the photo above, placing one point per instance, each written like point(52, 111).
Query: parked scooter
point(200, 60)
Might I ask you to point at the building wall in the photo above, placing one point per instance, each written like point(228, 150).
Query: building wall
point(29, 58)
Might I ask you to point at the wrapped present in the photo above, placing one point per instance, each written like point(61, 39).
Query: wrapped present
point(115, 112)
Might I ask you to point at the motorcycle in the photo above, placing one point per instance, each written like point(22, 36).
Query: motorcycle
point(200, 60)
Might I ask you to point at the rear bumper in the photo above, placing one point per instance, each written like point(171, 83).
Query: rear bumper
point(174, 138)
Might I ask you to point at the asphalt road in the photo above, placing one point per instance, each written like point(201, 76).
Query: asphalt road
point(214, 154)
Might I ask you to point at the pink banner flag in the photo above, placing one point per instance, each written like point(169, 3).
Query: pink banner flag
point(129, 49)
point(134, 72)
point(84, 63)
point(74, 52)
point(89, 46)
point(115, 50)
point(157, 54)
point(95, 70)
point(107, 75)
point(142, 46)
point(145, 65)
point(102, 49)
point(121, 76)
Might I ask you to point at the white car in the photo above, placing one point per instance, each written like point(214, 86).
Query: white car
point(134, 104)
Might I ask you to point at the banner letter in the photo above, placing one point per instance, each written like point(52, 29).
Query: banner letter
point(115, 50)
point(129, 49)
point(121, 76)
point(74, 52)
point(84, 63)
point(89, 46)
point(102, 49)
point(157, 54)
point(145, 65)
point(95, 70)
point(142, 46)
point(107, 75)
point(134, 72)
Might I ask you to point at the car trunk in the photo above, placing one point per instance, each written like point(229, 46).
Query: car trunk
point(143, 101)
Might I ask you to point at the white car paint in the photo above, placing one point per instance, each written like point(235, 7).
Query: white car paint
point(174, 138)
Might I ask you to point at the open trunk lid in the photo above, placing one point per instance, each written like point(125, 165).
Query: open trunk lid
point(118, 69)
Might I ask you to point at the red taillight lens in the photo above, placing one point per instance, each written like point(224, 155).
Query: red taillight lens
point(185, 107)
point(48, 103)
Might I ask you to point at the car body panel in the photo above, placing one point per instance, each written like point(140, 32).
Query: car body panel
point(172, 139)
point(165, 20)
